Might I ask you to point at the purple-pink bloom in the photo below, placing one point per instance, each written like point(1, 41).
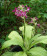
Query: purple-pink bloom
point(26, 5)
point(31, 18)
point(21, 12)
point(23, 6)
point(24, 14)
point(28, 8)
point(36, 18)
point(18, 13)
point(30, 22)
point(38, 25)
point(14, 9)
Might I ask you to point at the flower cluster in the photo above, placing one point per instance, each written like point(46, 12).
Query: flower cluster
point(21, 11)
point(34, 21)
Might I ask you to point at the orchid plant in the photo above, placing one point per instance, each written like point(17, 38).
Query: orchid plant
point(28, 40)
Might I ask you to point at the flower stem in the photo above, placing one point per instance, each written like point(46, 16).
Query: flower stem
point(24, 33)
point(24, 27)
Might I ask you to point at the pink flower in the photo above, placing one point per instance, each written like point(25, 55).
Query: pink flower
point(28, 8)
point(31, 18)
point(38, 25)
point(36, 18)
point(14, 9)
point(18, 13)
point(23, 6)
point(30, 22)
point(24, 14)
point(21, 12)
point(26, 5)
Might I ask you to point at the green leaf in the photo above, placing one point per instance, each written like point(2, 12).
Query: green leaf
point(8, 54)
point(20, 54)
point(40, 39)
point(14, 35)
point(36, 36)
point(12, 42)
point(15, 39)
point(14, 54)
point(38, 51)
point(29, 31)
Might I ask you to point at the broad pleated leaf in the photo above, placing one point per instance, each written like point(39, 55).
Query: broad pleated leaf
point(29, 31)
point(14, 54)
point(20, 54)
point(35, 37)
point(14, 35)
point(12, 42)
point(38, 51)
point(9, 54)
point(41, 39)
point(15, 39)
